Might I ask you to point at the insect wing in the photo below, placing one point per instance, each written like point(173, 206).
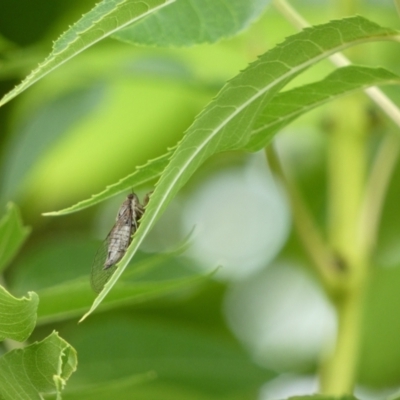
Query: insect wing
point(100, 276)
point(113, 248)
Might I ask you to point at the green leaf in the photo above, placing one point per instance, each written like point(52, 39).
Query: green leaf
point(380, 348)
point(17, 316)
point(103, 20)
point(34, 269)
point(283, 109)
point(126, 389)
point(144, 174)
point(186, 23)
point(41, 368)
point(35, 135)
point(12, 235)
point(136, 387)
point(65, 291)
point(226, 123)
point(54, 307)
point(287, 106)
point(183, 358)
point(322, 397)
point(118, 388)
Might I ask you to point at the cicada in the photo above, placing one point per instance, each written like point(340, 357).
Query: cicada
point(117, 241)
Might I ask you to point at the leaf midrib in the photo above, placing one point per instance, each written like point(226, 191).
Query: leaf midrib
point(239, 109)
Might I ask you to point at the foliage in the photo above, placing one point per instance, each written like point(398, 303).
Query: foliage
point(42, 367)
point(143, 111)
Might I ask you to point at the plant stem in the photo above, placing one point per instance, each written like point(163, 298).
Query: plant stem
point(338, 375)
point(376, 189)
point(353, 221)
point(347, 171)
point(322, 257)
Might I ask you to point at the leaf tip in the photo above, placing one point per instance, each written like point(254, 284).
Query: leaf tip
point(84, 317)
point(50, 214)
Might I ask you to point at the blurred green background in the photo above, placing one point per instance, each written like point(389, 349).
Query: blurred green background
point(260, 326)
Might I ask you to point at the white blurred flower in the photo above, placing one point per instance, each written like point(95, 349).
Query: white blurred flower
point(288, 385)
point(241, 220)
point(282, 317)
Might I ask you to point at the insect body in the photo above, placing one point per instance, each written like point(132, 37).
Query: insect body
point(117, 242)
point(125, 226)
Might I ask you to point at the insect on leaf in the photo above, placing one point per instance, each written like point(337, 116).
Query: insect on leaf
point(116, 243)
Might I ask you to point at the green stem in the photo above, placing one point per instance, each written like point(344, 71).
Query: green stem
point(381, 172)
point(353, 222)
point(347, 171)
point(339, 373)
point(314, 244)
